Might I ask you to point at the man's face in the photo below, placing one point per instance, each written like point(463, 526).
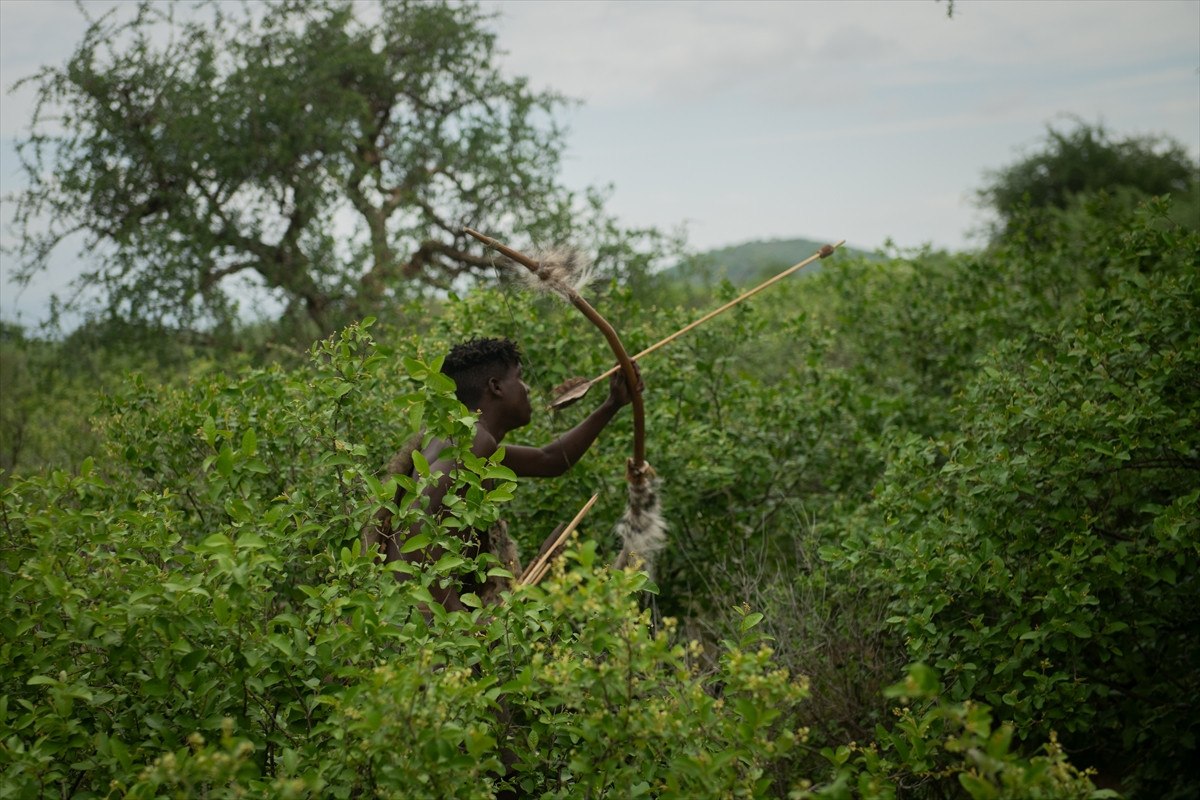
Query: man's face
point(516, 393)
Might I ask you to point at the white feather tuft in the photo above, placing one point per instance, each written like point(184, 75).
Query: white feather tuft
point(642, 528)
point(561, 270)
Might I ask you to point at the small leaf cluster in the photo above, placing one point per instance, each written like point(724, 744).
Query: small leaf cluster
point(929, 733)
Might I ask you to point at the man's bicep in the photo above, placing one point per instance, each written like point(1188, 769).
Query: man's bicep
point(533, 462)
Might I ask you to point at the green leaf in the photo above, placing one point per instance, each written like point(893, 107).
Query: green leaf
point(225, 461)
point(217, 543)
point(1079, 629)
point(500, 472)
point(416, 542)
point(251, 541)
point(750, 620)
point(977, 787)
point(829, 553)
point(448, 562)
point(501, 494)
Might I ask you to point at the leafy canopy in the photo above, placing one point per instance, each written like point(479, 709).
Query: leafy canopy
point(1084, 160)
point(301, 148)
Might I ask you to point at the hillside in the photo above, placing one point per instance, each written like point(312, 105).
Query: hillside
point(749, 262)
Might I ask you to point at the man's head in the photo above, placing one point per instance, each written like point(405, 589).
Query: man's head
point(489, 369)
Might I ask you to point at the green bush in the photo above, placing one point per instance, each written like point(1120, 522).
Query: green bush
point(993, 455)
point(1044, 555)
point(198, 619)
point(945, 749)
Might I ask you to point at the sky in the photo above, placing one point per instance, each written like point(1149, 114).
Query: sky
point(861, 120)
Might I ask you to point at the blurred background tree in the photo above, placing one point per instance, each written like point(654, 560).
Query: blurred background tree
point(1070, 165)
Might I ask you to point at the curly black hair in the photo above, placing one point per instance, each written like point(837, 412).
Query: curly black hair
point(471, 364)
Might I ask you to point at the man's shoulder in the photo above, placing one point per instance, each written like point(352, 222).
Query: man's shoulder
point(485, 443)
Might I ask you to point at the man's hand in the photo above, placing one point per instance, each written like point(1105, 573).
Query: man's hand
point(618, 389)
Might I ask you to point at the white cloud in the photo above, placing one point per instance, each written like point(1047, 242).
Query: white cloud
point(613, 54)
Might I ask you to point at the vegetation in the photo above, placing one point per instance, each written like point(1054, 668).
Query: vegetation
point(993, 484)
point(935, 524)
point(326, 161)
point(1071, 165)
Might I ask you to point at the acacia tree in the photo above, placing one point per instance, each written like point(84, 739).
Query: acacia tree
point(329, 159)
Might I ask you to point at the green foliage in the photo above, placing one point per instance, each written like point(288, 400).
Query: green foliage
point(40, 419)
point(1044, 554)
point(190, 604)
point(239, 153)
point(888, 355)
point(930, 732)
point(192, 616)
point(984, 462)
point(51, 386)
point(1086, 160)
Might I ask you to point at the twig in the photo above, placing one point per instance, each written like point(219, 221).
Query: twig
point(541, 565)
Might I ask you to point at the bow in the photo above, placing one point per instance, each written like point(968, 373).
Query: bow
point(641, 528)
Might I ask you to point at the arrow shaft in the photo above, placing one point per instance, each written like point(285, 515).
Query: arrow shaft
point(715, 312)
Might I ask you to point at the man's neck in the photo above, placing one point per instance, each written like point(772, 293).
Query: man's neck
point(492, 425)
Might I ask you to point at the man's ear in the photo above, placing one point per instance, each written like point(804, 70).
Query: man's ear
point(493, 386)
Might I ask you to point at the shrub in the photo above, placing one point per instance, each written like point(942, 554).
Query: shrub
point(1043, 556)
point(941, 748)
point(195, 618)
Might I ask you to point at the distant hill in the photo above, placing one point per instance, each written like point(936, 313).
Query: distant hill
point(750, 262)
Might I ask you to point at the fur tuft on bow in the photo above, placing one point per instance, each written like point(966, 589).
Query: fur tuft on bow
point(562, 270)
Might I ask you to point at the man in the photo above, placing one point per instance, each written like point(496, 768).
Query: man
point(488, 379)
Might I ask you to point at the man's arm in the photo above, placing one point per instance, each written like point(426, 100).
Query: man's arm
point(560, 455)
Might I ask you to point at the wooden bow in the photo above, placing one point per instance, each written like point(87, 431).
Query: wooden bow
point(637, 467)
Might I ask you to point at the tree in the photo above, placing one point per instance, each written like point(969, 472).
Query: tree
point(1084, 160)
point(294, 146)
